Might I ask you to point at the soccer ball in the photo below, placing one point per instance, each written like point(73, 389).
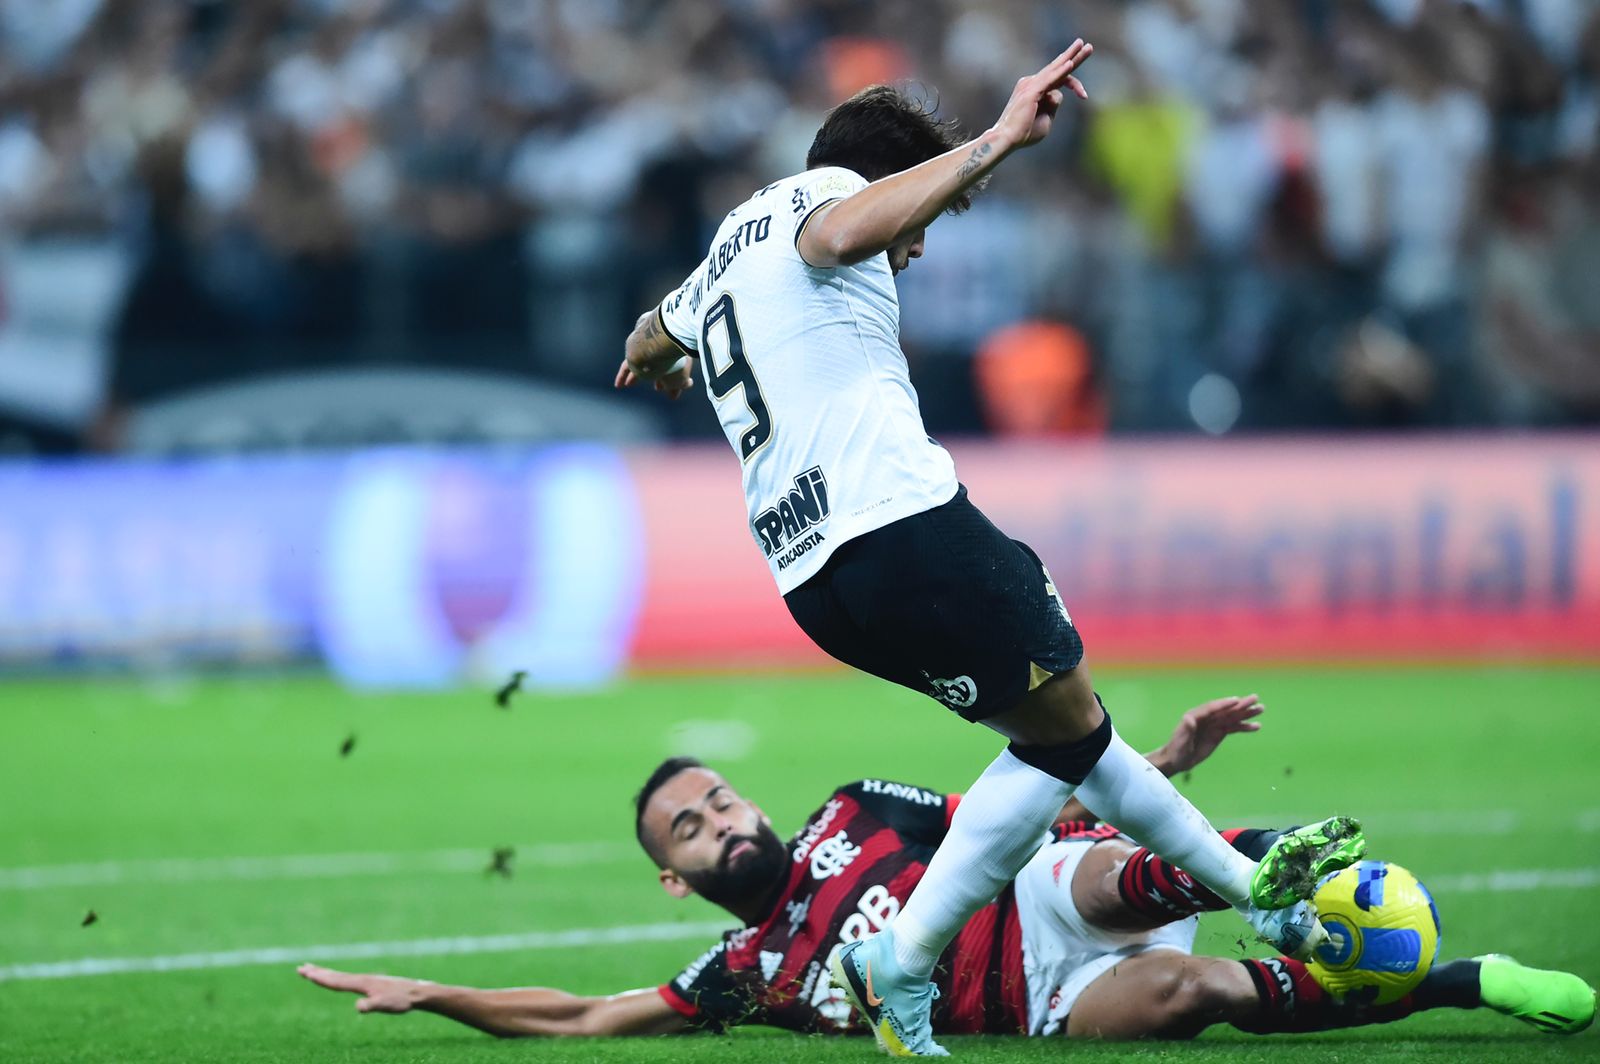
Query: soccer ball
point(1383, 933)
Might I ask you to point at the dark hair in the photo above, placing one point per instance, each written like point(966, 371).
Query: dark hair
point(663, 772)
point(882, 130)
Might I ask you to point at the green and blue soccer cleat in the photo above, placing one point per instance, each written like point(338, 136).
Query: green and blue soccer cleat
point(1290, 869)
point(897, 1006)
point(1554, 1002)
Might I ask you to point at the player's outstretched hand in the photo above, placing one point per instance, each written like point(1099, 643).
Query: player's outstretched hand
point(1203, 728)
point(1034, 102)
point(379, 993)
point(677, 380)
point(672, 384)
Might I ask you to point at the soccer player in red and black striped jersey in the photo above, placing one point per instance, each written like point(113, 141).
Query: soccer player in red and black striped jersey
point(1091, 939)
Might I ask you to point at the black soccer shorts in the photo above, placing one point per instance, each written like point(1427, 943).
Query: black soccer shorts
point(944, 603)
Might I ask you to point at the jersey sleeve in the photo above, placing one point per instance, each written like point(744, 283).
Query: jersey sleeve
point(915, 812)
point(675, 317)
point(708, 995)
point(818, 188)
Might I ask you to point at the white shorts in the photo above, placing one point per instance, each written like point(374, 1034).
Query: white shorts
point(1061, 953)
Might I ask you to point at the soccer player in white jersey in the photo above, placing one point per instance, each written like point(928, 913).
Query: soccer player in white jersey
point(880, 556)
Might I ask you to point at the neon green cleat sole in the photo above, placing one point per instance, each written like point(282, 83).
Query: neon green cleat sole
point(1291, 868)
point(1554, 1002)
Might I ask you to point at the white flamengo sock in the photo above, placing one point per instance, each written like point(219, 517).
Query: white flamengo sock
point(1000, 823)
point(1126, 790)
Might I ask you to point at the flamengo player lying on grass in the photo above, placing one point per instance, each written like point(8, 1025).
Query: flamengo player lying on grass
point(1092, 939)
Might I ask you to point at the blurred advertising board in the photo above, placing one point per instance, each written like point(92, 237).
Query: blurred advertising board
point(576, 562)
point(396, 568)
point(1197, 550)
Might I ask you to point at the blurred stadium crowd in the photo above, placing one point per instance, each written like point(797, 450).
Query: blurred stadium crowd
point(1272, 214)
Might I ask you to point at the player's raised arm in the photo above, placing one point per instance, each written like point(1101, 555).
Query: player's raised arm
point(513, 1013)
point(1197, 736)
point(890, 210)
point(662, 346)
point(1201, 730)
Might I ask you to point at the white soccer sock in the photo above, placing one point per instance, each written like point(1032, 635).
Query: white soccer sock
point(1126, 790)
point(1000, 823)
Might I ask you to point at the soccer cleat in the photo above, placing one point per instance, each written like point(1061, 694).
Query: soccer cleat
point(897, 1006)
point(1289, 870)
point(1554, 1002)
point(1294, 930)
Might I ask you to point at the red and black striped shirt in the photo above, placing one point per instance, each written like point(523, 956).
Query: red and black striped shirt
point(853, 865)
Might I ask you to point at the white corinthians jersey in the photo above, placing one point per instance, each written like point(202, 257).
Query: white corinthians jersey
point(805, 370)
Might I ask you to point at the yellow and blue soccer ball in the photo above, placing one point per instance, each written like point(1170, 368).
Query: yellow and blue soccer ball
point(1383, 933)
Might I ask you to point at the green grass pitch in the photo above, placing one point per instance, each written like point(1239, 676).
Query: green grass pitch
point(1460, 773)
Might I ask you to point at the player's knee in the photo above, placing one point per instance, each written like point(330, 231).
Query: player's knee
point(1061, 710)
point(1180, 999)
point(1095, 890)
point(1190, 998)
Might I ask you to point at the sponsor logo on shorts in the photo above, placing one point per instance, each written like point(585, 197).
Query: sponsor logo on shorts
point(782, 528)
point(959, 693)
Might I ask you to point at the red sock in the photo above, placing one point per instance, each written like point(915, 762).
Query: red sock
point(1293, 1001)
point(1159, 890)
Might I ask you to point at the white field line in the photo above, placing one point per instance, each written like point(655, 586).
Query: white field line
point(1485, 882)
point(1515, 880)
point(347, 951)
point(303, 866)
point(578, 854)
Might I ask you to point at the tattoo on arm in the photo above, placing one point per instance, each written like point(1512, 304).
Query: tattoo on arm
point(650, 324)
point(974, 160)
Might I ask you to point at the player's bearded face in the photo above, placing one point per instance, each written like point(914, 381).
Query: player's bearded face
point(747, 867)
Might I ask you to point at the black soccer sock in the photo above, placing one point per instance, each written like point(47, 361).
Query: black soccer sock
point(1450, 986)
point(1293, 1001)
point(1253, 842)
point(1068, 762)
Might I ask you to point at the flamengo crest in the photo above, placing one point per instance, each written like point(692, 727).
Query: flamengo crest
point(832, 856)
